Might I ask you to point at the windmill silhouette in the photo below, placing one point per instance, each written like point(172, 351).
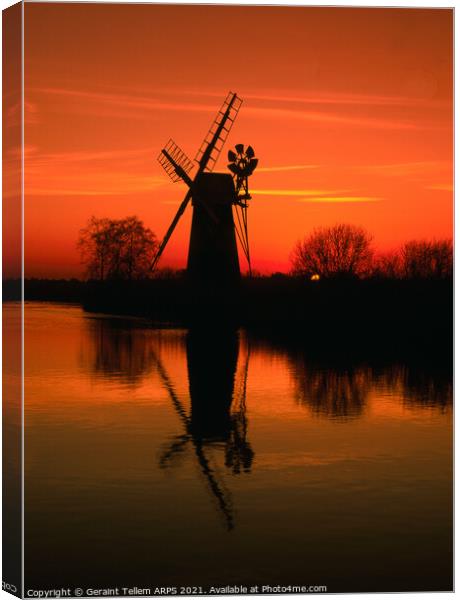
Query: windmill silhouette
point(213, 254)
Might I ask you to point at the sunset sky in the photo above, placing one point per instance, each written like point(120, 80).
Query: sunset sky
point(349, 111)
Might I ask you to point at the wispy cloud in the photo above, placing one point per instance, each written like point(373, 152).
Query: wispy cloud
point(317, 196)
point(91, 156)
point(138, 104)
point(443, 187)
point(294, 192)
point(318, 116)
point(98, 102)
point(408, 168)
point(341, 199)
point(94, 184)
point(13, 114)
point(316, 97)
point(286, 168)
point(36, 159)
point(341, 98)
point(89, 172)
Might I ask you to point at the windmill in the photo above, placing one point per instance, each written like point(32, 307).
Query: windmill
point(213, 254)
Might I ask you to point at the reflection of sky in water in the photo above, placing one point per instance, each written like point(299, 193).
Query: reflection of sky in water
point(162, 455)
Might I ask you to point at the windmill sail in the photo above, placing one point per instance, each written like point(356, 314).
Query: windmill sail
point(214, 141)
point(171, 228)
point(175, 162)
point(177, 165)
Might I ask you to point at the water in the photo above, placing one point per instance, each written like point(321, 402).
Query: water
point(165, 457)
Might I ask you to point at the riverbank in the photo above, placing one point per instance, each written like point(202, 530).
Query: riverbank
point(370, 312)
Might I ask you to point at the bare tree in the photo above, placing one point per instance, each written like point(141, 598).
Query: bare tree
point(94, 246)
point(388, 265)
point(117, 248)
point(338, 251)
point(427, 259)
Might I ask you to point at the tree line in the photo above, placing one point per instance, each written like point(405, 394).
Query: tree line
point(123, 249)
point(345, 251)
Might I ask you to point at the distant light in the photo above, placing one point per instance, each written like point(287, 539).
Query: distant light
point(314, 277)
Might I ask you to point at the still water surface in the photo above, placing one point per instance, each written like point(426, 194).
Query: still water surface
point(161, 456)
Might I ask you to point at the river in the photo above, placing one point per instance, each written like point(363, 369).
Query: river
point(159, 457)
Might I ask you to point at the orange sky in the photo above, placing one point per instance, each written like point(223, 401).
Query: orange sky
point(349, 110)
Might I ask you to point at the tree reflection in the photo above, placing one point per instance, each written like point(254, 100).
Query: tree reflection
point(420, 385)
point(118, 350)
point(339, 390)
point(337, 393)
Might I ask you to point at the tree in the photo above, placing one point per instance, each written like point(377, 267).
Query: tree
point(388, 265)
point(117, 248)
point(338, 251)
point(427, 259)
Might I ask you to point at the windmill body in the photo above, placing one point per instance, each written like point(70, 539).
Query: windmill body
point(216, 198)
point(213, 253)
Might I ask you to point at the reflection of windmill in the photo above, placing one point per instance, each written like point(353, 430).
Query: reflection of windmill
point(238, 452)
point(210, 427)
point(213, 254)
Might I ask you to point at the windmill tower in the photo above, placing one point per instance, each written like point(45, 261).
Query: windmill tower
point(213, 254)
